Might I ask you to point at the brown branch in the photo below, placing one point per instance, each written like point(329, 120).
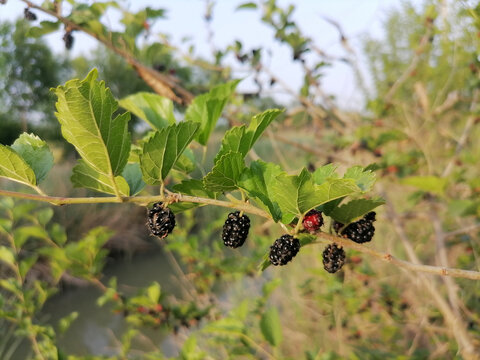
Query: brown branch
point(162, 84)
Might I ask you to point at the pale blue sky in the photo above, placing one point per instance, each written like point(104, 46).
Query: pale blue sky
point(359, 18)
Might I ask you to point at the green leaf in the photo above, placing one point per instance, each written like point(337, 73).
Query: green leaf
point(355, 209)
point(225, 173)
point(46, 27)
point(156, 110)
point(163, 149)
point(133, 175)
point(44, 215)
point(207, 108)
point(271, 326)
point(36, 154)
point(191, 187)
point(84, 176)
point(84, 110)
point(297, 194)
point(431, 184)
point(65, 322)
point(324, 173)
point(13, 167)
point(241, 139)
point(7, 256)
point(23, 233)
point(58, 234)
point(248, 5)
point(153, 292)
point(26, 264)
point(257, 180)
point(363, 178)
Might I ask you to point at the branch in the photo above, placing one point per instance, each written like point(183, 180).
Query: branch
point(386, 257)
point(160, 83)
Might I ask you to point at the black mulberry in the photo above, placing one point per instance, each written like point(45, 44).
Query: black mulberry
point(68, 40)
point(360, 231)
point(284, 249)
point(30, 16)
point(235, 229)
point(312, 221)
point(161, 220)
point(333, 258)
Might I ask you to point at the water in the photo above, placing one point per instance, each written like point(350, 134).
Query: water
point(97, 330)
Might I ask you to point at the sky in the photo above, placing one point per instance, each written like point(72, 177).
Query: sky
point(358, 18)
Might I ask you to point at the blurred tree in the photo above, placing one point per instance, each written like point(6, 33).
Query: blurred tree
point(28, 69)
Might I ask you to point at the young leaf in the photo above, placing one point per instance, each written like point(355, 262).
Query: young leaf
point(355, 209)
point(156, 110)
point(248, 5)
point(271, 326)
point(241, 139)
point(163, 149)
point(133, 175)
point(13, 167)
point(207, 108)
point(84, 110)
point(225, 173)
point(257, 180)
point(46, 27)
point(84, 176)
point(36, 154)
point(363, 178)
point(297, 194)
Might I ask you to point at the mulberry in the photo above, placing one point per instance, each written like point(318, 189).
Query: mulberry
point(284, 249)
point(161, 220)
point(312, 221)
point(235, 229)
point(333, 258)
point(30, 16)
point(360, 231)
point(68, 40)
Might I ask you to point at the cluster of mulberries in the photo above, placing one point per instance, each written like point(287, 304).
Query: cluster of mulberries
point(30, 16)
point(161, 220)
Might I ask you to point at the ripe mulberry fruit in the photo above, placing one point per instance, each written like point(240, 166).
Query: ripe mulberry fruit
point(360, 231)
point(30, 16)
point(333, 258)
point(235, 229)
point(284, 249)
point(161, 220)
point(312, 221)
point(68, 40)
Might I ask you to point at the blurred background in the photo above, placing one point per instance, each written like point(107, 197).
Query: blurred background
point(392, 85)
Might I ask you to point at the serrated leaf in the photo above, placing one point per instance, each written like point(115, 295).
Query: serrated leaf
point(207, 108)
point(133, 175)
point(241, 139)
point(363, 178)
point(355, 209)
point(46, 27)
point(296, 195)
point(163, 149)
point(225, 173)
point(271, 326)
point(13, 167)
point(84, 176)
point(36, 154)
point(257, 181)
point(325, 172)
point(84, 110)
point(156, 110)
point(431, 184)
